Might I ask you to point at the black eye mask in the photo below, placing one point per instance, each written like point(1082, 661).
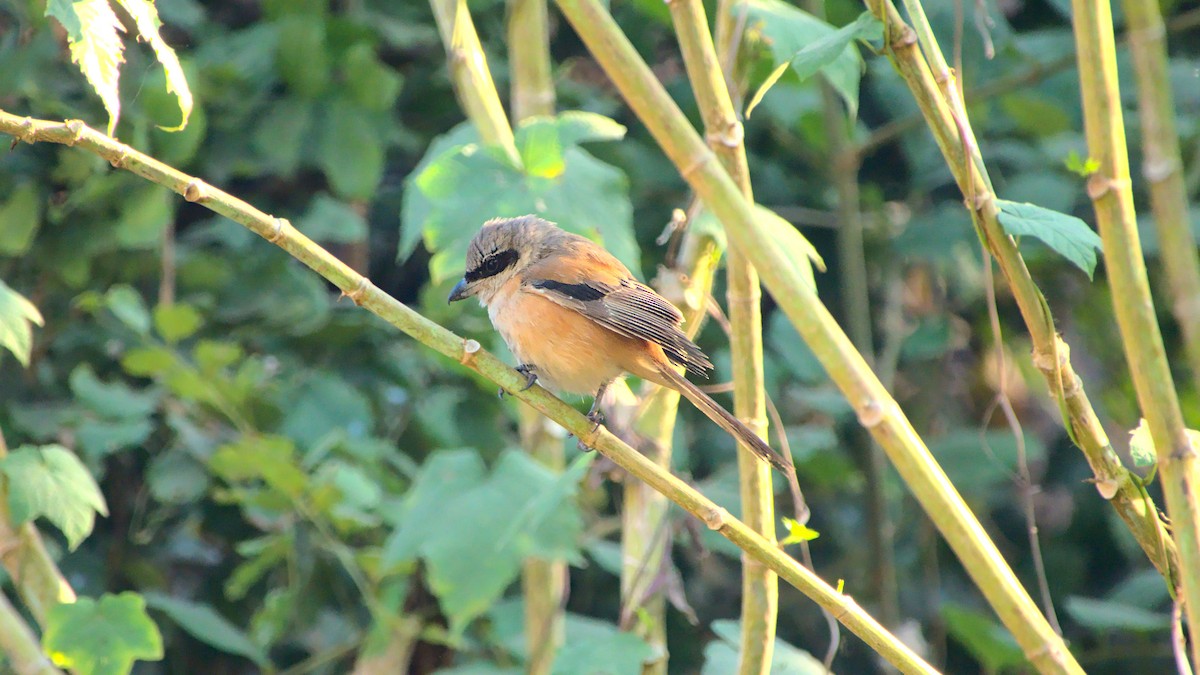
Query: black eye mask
point(493, 264)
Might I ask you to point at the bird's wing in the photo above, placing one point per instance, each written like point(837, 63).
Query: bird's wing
point(590, 281)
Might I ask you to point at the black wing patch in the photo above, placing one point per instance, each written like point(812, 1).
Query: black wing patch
point(632, 309)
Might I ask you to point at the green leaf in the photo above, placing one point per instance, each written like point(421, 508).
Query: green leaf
point(92, 36)
point(520, 510)
point(350, 151)
point(320, 402)
point(145, 17)
point(1106, 615)
point(799, 251)
point(101, 638)
point(148, 361)
point(50, 481)
point(98, 438)
point(371, 83)
point(979, 462)
point(786, 31)
point(127, 305)
point(1067, 235)
point(271, 459)
point(1079, 166)
point(206, 625)
point(607, 652)
point(990, 644)
point(721, 655)
point(176, 322)
point(822, 52)
point(302, 55)
point(114, 400)
point(20, 215)
point(797, 532)
point(17, 316)
point(331, 220)
point(175, 478)
point(145, 213)
point(460, 185)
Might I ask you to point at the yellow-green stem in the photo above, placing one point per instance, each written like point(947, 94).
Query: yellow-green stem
point(472, 79)
point(1162, 167)
point(760, 587)
point(876, 409)
point(18, 644)
point(1112, 198)
point(469, 354)
point(1050, 354)
point(529, 59)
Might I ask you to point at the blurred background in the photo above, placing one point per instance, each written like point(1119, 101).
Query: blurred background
point(301, 468)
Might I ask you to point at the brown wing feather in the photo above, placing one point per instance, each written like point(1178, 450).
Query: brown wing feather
point(614, 299)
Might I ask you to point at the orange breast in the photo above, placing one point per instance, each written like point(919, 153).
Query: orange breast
point(571, 352)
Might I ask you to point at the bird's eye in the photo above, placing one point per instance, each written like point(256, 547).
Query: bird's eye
point(492, 265)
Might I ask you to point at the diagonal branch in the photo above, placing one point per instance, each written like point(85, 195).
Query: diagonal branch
point(358, 288)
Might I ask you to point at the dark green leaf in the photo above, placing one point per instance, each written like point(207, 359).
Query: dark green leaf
point(20, 216)
point(98, 438)
point(175, 478)
point(302, 57)
point(1106, 615)
point(145, 213)
point(1067, 235)
point(331, 220)
point(114, 400)
point(350, 151)
point(17, 316)
point(371, 83)
point(101, 638)
point(127, 305)
point(204, 624)
point(321, 402)
point(50, 481)
point(990, 644)
point(271, 459)
point(721, 655)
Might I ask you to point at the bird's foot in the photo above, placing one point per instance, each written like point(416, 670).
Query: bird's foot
point(531, 378)
point(597, 418)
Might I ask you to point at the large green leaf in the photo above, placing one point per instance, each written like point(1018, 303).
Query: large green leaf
point(50, 481)
point(17, 316)
point(721, 655)
point(787, 31)
point(20, 216)
point(271, 459)
point(819, 54)
point(520, 510)
point(110, 399)
point(145, 18)
point(101, 638)
point(92, 35)
point(204, 624)
point(1108, 615)
point(1067, 235)
point(987, 641)
point(461, 184)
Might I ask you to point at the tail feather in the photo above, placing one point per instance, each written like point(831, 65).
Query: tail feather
point(723, 418)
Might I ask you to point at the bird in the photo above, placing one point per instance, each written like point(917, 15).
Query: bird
point(577, 319)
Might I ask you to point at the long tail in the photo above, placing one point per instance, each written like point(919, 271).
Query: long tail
point(723, 418)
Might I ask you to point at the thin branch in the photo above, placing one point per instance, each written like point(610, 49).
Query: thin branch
point(19, 645)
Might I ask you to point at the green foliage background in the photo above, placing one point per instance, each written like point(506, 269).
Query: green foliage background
point(284, 478)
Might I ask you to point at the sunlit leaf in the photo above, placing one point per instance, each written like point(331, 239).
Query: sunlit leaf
point(1141, 446)
point(797, 532)
point(50, 481)
point(176, 322)
point(102, 637)
point(20, 216)
point(145, 17)
point(92, 36)
point(1067, 235)
point(17, 316)
point(271, 459)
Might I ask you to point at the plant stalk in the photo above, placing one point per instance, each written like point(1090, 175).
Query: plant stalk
point(529, 64)
point(1162, 167)
point(20, 645)
point(1051, 355)
point(468, 353)
point(876, 409)
point(1112, 198)
point(723, 129)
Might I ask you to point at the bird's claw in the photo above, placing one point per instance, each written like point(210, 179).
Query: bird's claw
point(531, 378)
point(597, 418)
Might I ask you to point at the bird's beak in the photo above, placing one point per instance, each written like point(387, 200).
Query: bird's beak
point(458, 292)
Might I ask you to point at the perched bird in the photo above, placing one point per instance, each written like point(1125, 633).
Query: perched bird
point(577, 319)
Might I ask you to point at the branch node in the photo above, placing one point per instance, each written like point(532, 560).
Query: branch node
point(1107, 487)
point(715, 517)
point(470, 349)
point(730, 137)
point(696, 164)
point(119, 156)
point(76, 127)
point(280, 223)
point(27, 132)
point(1158, 170)
point(1099, 185)
point(356, 295)
point(980, 201)
point(906, 40)
point(195, 191)
point(870, 415)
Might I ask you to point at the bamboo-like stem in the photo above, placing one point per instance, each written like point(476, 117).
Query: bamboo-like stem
point(468, 353)
point(532, 79)
point(25, 558)
point(472, 79)
point(20, 645)
point(1112, 198)
point(1162, 167)
point(395, 655)
point(543, 582)
point(1051, 355)
point(760, 586)
point(875, 407)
